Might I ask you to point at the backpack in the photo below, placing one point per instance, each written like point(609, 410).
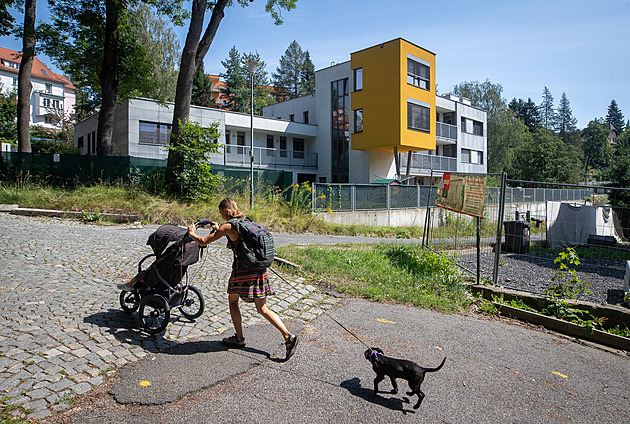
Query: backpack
point(257, 248)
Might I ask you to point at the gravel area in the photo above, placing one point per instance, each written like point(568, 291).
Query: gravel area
point(534, 273)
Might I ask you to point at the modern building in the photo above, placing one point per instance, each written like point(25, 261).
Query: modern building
point(53, 96)
point(375, 116)
point(379, 116)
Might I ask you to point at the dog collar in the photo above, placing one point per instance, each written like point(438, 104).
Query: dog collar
point(373, 355)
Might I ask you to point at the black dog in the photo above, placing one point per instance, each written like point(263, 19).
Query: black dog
point(398, 368)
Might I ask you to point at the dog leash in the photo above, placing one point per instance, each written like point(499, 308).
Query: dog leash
point(351, 333)
point(340, 324)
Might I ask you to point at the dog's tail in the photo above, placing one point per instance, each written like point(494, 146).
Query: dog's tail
point(436, 368)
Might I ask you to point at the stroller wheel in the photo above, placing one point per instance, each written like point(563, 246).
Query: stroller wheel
point(193, 303)
point(154, 313)
point(129, 301)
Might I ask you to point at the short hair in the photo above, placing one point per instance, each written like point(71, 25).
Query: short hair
point(230, 206)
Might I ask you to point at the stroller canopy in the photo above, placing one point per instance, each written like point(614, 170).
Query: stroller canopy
point(166, 234)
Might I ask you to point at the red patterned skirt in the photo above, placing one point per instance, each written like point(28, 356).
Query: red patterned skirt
point(250, 284)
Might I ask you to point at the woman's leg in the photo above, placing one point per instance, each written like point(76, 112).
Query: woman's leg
point(235, 313)
point(271, 316)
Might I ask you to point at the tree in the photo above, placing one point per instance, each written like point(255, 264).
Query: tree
point(308, 75)
point(597, 150)
point(506, 135)
point(93, 42)
point(526, 112)
point(547, 110)
point(485, 95)
point(544, 157)
point(202, 89)
point(162, 49)
point(24, 78)
point(7, 21)
point(235, 77)
point(195, 49)
point(295, 75)
point(8, 115)
point(262, 92)
point(614, 117)
point(565, 122)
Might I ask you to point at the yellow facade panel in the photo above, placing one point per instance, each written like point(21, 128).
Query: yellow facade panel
point(385, 95)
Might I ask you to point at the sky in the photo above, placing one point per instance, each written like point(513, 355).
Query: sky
point(578, 47)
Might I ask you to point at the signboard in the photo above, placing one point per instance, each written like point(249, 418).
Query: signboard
point(56, 157)
point(464, 193)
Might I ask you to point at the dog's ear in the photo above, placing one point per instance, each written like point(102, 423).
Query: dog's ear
point(379, 350)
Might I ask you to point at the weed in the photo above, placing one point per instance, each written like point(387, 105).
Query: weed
point(8, 412)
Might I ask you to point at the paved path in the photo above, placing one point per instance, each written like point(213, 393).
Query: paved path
point(61, 326)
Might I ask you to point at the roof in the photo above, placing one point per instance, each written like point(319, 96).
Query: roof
point(386, 181)
point(39, 70)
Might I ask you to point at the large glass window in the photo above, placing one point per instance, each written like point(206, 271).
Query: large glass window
point(298, 148)
point(154, 133)
point(358, 120)
point(472, 156)
point(358, 79)
point(283, 147)
point(477, 128)
point(418, 117)
point(270, 151)
point(340, 131)
point(418, 74)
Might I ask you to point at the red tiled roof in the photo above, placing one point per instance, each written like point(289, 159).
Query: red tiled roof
point(39, 69)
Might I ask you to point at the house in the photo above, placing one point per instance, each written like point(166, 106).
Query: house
point(379, 116)
point(53, 96)
point(375, 116)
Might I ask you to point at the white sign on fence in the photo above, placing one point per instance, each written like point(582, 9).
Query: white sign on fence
point(464, 193)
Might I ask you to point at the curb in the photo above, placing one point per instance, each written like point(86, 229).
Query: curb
point(565, 327)
point(117, 218)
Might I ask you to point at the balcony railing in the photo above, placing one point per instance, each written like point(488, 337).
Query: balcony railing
point(274, 158)
point(424, 162)
point(446, 131)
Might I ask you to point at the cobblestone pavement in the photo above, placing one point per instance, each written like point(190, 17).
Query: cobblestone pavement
point(61, 325)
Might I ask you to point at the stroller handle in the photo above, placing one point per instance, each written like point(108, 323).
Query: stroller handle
point(203, 222)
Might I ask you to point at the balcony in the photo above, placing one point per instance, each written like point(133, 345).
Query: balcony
point(273, 158)
point(422, 162)
point(446, 131)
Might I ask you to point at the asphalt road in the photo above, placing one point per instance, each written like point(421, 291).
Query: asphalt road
point(495, 371)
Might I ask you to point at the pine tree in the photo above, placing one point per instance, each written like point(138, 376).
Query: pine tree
point(202, 89)
point(547, 110)
point(262, 91)
point(288, 76)
point(527, 112)
point(236, 82)
point(614, 117)
point(307, 82)
point(565, 122)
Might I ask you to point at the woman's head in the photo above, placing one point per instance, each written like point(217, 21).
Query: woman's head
point(230, 208)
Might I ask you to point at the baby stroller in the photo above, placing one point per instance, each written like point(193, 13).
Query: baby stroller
point(161, 287)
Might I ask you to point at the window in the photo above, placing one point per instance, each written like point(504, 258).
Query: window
point(44, 72)
point(46, 102)
point(472, 156)
point(298, 148)
point(11, 64)
point(240, 141)
point(463, 124)
point(56, 104)
point(306, 116)
point(283, 147)
point(48, 89)
point(358, 79)
point(418, 74)
point(477, 128)
point(153, 133)
point(340, 149)
point(228, 149)
point(418, 117)
point(270, 145)
point(80, 143)
point(358, 120)
point(15, 82)
point(292, 118)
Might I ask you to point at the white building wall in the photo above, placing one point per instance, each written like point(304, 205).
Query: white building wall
point(295, 107)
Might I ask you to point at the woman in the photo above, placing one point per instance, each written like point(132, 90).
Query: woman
point(249, 285)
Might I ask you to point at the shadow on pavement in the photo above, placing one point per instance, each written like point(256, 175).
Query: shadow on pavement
point(354, 386)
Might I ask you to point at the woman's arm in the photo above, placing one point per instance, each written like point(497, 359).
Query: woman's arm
point(220, 231)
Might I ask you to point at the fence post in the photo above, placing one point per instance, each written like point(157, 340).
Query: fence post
point(497, 246)
point(427, 220)
point(353, 194)
point(314, 197)
point(388, 196)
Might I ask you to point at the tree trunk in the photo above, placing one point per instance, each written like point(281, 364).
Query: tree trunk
point(109, 80)
point(24, 78)
point(192, 58)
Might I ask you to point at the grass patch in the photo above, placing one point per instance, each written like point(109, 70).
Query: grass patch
point(406, 274)
point(7, 411)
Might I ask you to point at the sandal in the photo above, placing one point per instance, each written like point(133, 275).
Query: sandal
point(234, 341)
point(291, 344)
